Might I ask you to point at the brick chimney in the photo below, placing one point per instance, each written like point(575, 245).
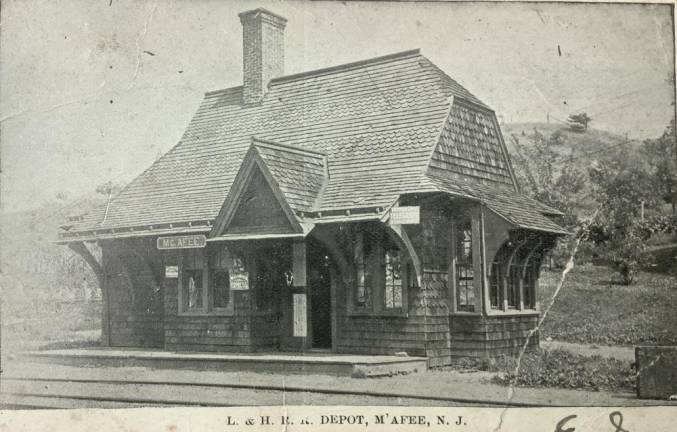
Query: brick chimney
point(263, 51)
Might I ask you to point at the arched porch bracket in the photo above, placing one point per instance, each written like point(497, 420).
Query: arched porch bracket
point(400, 235)
point(84, 252)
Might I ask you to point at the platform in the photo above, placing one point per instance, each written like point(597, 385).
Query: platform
point(274, 362)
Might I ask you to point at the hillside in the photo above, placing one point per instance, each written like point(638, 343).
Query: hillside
point(593, 144)
point(586, 149)
point(36, 273)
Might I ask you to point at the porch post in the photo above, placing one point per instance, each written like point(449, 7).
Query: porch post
point(476, 242)
point(483, 257)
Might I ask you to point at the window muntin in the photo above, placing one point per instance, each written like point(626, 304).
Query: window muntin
point(465, 272)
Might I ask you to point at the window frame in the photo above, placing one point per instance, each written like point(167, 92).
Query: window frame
point(472, 219)
point(373, 268)
point(205, 262)
point(402, 270)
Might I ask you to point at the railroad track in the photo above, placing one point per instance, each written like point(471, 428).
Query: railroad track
point(42, 392)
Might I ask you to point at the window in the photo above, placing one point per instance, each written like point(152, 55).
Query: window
point(514, 277)
point(465, 272)
point(361, 291)
point(192, 290)
point(219, 280)
point(381, 272)
point(495, 291)
point(204, 285)
point(531, 281)
point(393, 280)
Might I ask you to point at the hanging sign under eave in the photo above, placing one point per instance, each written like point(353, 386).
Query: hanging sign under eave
point(196, 241)
point(405, 215)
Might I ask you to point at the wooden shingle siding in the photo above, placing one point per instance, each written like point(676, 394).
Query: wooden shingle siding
point(203, 332)
point(478, 336)
point(470, 146)
point(423, 332)
point(265, 330)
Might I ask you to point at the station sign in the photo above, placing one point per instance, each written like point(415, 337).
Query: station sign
point(182, 242)
point(406, 215)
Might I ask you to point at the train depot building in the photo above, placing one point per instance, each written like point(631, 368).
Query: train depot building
point(368, 208)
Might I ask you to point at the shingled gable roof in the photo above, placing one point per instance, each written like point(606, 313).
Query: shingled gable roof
point(295, 176)
point(377, 121)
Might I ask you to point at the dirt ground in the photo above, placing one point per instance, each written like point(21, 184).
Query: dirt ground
point(451, 384)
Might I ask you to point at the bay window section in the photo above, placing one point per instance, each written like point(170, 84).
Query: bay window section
point(513, 277)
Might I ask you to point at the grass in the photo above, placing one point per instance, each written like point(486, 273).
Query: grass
point(594, 308)
point(556, 368)
point(56, 325)
point(562, 369)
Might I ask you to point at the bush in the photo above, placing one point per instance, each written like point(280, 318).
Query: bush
point(559, 368)
point(626, 253)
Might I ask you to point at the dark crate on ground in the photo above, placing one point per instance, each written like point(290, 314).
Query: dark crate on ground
point(656, 371)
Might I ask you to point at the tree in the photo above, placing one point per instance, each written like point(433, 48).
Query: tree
point(546, 177)
point(622, 183)
point(662, 157)
point(109, 188)
point(579, 122)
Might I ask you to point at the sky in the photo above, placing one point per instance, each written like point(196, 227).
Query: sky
point(96, 90)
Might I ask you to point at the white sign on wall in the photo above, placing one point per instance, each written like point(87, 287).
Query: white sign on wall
point(239, 281)
point(300, 318)
point(171, 271)
point(409, 215)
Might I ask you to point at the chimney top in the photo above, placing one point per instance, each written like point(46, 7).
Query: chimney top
point(263, 52)
point(264, 14)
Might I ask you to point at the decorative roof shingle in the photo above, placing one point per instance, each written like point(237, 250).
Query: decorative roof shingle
point(377, 123)
point(300, 174)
